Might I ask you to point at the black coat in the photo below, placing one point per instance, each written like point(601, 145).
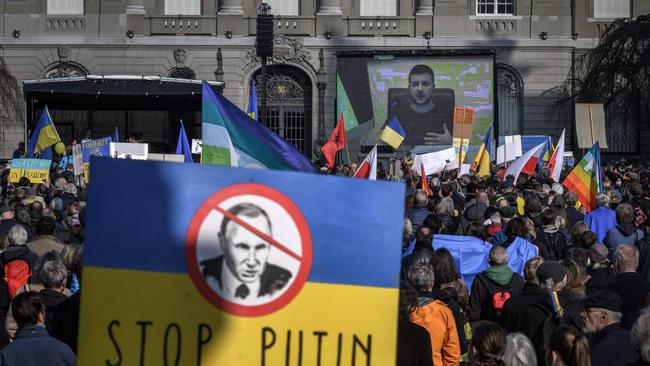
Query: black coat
point(633, 290)
point(600, 278)
point(514, 309)
point(51, 300)
point(32, 346)
point(612, 347)
point(65, 326)
point(413, 345)
point(480, 302)
point(573, 216)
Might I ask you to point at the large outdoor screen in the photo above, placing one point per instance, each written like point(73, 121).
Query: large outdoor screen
point(422, 93)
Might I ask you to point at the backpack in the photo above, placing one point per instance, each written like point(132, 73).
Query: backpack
point(498, 295)
point(16, 275)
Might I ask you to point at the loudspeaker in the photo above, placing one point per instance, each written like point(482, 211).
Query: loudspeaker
point(264, 36)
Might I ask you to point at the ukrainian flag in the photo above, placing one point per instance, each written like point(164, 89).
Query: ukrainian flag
point(166, 296)
point(252, 103)
point(44, 135)
point(481, 163)
point(393, 133)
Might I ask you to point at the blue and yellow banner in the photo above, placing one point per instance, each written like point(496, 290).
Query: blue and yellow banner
point(37, 170)
point(99, 147)
point(229, 266)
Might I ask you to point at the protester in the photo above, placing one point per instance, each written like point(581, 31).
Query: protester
point(568, 347)
point(435, 316)
point(640, 337)
point(602, 218)
point(610, 345)
point(519, 351)
point(32, 345)
point(493, 287)
point(45, 240)
point(488, 344)
point(625, 232)
point(628, 284)
point(413, 341)
point(514, 309)
point(599, 270)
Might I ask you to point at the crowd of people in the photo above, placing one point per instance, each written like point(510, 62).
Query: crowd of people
point(581, 301)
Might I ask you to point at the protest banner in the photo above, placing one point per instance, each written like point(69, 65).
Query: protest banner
point(77, 160)
point(125, 150)
point(325, 272)
point(463, 124)
point(99, 147)
point(37, 170)
point(436, 162)
point(197, 146)
point(65, 160)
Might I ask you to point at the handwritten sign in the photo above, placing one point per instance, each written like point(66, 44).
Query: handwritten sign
point(37, 170)
point(99, 147)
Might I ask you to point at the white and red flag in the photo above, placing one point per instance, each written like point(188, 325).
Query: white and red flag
point(556, 161)
point(524, 164)
point(368, 168)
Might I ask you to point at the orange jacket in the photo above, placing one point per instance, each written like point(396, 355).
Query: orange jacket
point(435, 316)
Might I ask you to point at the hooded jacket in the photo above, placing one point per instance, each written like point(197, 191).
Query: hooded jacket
point(495, 278)
point(600, 220)
point(621, 234)
point(436, 318)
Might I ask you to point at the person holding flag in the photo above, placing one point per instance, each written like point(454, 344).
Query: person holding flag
point(43, 137)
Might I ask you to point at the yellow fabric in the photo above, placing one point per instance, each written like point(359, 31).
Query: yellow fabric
point(47, 136)
point(521, 205)
point(391, 137)
point(481, 163)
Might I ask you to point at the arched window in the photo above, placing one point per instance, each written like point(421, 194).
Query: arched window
point(510, 90)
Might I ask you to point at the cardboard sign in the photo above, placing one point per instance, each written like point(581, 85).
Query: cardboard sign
point(463, 124)
point(590, 125)
point(99, 147)
point(37, 170)
point(240, 267)
point(125, 150)
point(77, 159)
point(436, 162)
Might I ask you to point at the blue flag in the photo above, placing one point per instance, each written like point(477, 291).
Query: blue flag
point(252, 103)
point(183, 146)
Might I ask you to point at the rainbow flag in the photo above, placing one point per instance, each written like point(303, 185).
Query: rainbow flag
point(44, 135)
point(229, 138)
point(296, 256)
point(481, 163)
point(393, 134)
point(586, 178)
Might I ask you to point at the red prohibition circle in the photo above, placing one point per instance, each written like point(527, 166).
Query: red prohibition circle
point(193, 233)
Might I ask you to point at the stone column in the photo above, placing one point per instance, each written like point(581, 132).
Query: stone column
point(425, 7)
point(330, 7)
point(231, 7)
point(135, 7)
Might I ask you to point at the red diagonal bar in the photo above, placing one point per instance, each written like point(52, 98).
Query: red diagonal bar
point(253, 230)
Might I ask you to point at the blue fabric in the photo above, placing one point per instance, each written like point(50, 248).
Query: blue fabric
point(74, 286)
point(471, 254)
point(34, 347)
point(183, 146)
point(600, 220)
point(252, 103)
point(116, 138)
point(615, 237)
point(42, 122)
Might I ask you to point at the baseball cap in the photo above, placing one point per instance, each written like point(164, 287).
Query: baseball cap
point(507, 185)
point(551, 269)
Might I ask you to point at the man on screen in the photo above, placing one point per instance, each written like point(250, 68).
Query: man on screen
point(425, 112)
point(243, 271)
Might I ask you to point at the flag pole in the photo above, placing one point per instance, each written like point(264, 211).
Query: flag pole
point(348, 152)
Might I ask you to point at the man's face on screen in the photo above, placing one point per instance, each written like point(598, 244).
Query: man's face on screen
point(420, 88)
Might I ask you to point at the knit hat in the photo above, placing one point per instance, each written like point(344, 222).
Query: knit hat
point(507, 212)
point(604, 299)
point(551, 269)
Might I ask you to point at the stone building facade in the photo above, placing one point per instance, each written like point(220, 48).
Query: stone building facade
point(535, 43)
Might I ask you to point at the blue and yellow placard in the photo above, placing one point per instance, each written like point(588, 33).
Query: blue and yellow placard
point(37, 170)
point(99, 147)
point(210, 265)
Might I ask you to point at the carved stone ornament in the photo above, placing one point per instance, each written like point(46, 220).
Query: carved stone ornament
point(285, 51)
point(64, 68)
point(180, 71)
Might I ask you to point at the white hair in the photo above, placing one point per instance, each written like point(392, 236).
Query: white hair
point(519, 351)
point(640, 334)
point(17, 235)
point(602, 199)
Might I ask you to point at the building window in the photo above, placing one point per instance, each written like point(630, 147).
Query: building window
point(182, 7)
point(495, 7)
point(65, 7)
point(374, 8)
point(611, 8)
point(284, 7)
